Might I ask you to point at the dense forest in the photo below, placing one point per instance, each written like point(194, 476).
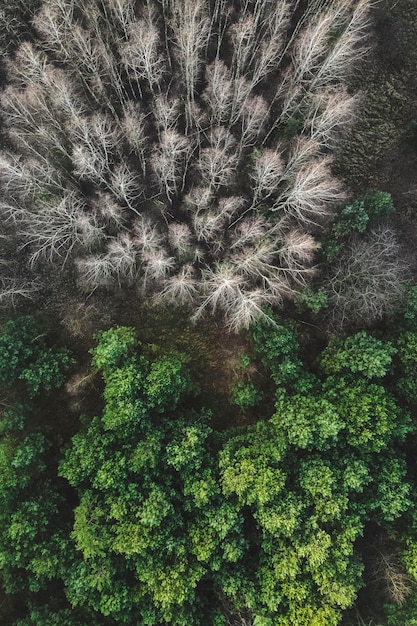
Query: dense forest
point(208, 323)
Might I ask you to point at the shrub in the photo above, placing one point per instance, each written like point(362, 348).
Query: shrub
point(25, 356)
point(246, 395)
point(373, 207)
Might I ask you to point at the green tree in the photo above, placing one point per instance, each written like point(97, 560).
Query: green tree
point(24, 355)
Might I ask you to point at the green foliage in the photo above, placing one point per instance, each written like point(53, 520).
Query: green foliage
point(31, 542)
point(114, 346)
point(353, 218)
point(277, 346)
point(52, 615)
point(150, 508)
point(18, 346)
point(359, 354)
point(370, 413)
point(406, 383)
point(170, 514)
point(167, 382)
point(378, 205)
point(48, 370)
point(366, 211)
point(408, 317)
point(246, 395)
point(312, 299)
point(25, 356)
point(292, 127)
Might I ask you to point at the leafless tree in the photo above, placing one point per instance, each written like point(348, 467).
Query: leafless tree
point(180, 239)
point(273, 43)
point(123, 11)
point(211, 225)
point(166, 112)
point(148, 237)
point(53, 230)
point(13, 289)
point(146, 168)
point(248, 231)
point(90, 232)
point(267, 173)
point(54, 22)
point(123, 254)
point(111, 213)
point(219, 92)
point(312, 193)
point(94, 271)
point(28, 65)
point(217, 164)
point(243, 34)
point(297, 251)
point(22, 178)
point(141, 54)
point(134, 130)
point(253, 119)
point(328, 114)
point(222, 286)
point(347, 49)
point(157, 267)
point(181, 288)
point(126, 186)
point(366, 282)
point(64, 95)
point(389, 572)
point(191, 27)
point(168, 162)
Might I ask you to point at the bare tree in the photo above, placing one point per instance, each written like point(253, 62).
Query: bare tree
point(124, 148)
point(22, 179)
point(166, 112)
point(181, 288)
point(168, 162)
point(90, 231)
point(53, 230)
point(328, 114)
point(191, 27)
point(210, 226)
point(253, 119)
point(157, 267)
point(133, 127)
point(217, 164)
point(148, 237)
point(94, 271)
point(222, 286)
point(180, 239)
point(54, 22)
point(123, 253)
point(95, 142)
point(126, 186)
point(28, 65)
point(297, 251)
point(123, 11)
point(312, 194)
point(267, 173)
point(366, 282)
point(141, 55)
point(272, 43)
point(243, 34)
point(65, 97)
point(219, 92)
point(111, 213)
point(347, 49)
point(248, 231)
